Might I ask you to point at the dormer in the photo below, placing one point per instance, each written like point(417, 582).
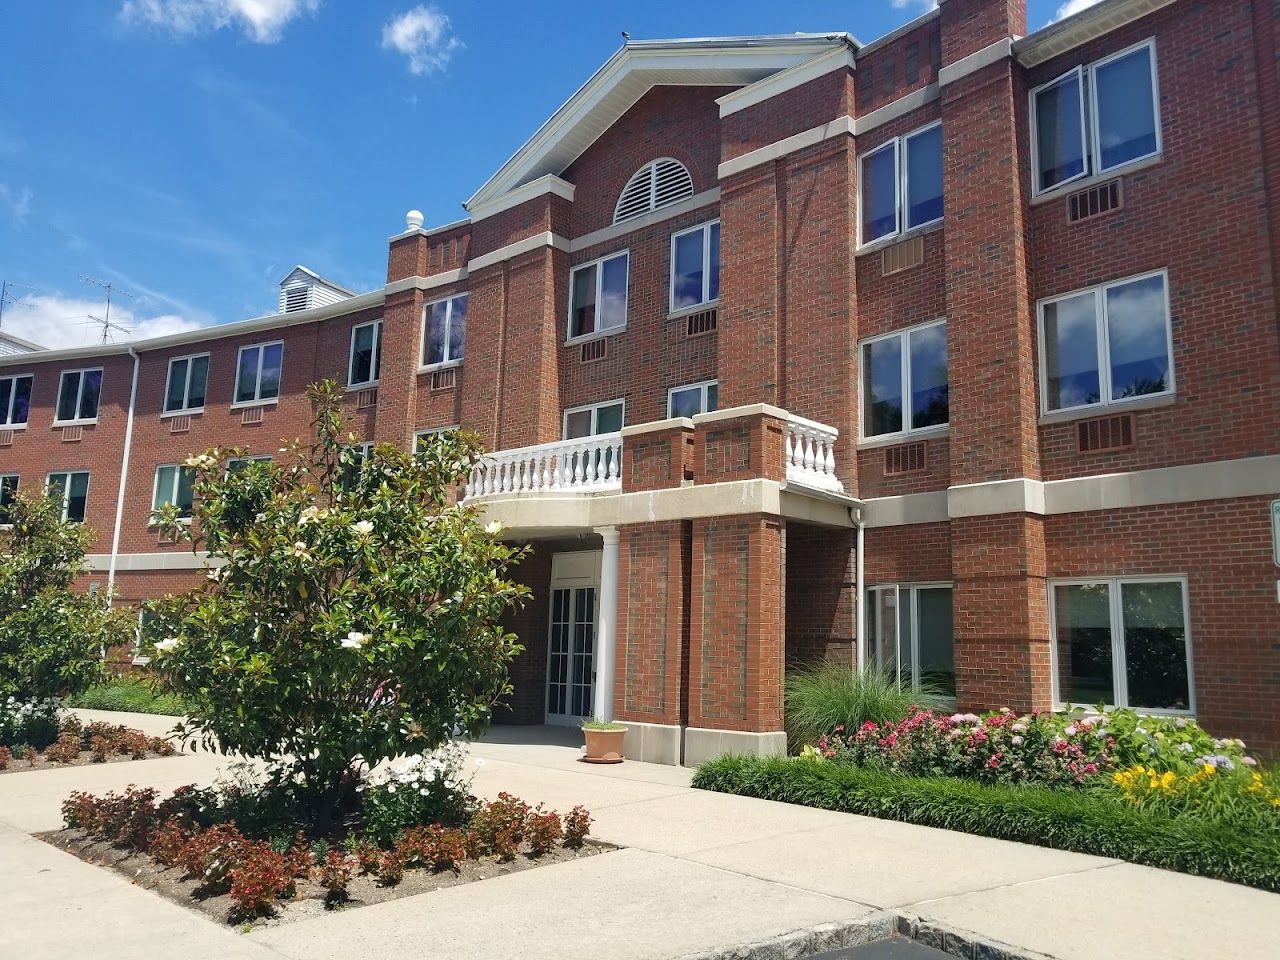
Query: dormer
point(302, 290)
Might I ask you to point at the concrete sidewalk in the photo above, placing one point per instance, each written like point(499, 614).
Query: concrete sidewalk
point(701, 871)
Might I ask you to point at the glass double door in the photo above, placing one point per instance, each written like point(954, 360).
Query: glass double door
point(571, 667)
point(909, 632)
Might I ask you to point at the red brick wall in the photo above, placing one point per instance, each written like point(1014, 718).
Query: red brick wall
point(653, 618)
point(820, 594)
point(528, 701)
point(885, 74)
point(802, 108)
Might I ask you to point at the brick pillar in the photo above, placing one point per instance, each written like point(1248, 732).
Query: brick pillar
point(736, 629)
point(1001, 626)
point(650, 688)
point(398, 386)
point(820, 594)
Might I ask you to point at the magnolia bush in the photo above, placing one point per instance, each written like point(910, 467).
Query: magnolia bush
point(51, 637)
point(351, 613)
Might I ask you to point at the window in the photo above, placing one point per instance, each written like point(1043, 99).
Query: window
point(1122, 642)
point(693, 398)
point(174, 484)
point(423, 437)
point(353, 461)
point(15, 401)
point(598, 296)
point(188, 377)
point(910, 635)
point(695, 266)
point(366, 354)
point(902, 184)
point(258, 372)
point(73, 489)
point(236, 464)
point(446, 331)
point(8, 489)
point(1108, 344)
point(656, 184)
point(78, 394)
point(592, 420)
point(905, 384)
point(146, 635)
point(1096, 118)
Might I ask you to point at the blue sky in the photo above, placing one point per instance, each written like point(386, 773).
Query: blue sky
point(193, 151)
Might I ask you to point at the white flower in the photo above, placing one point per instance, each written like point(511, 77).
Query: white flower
point(300, 550)
point(354, 640)
point(1016, 741)
point(308, 515)
point(200, 461)
point(1070, 731)
point(167, 644)
point(362, 528)
point(493, 528)
point(479, 761)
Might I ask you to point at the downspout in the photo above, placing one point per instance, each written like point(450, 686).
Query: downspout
point(859, 580)
point(124, 473)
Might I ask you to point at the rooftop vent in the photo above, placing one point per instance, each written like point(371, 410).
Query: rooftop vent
point(657, 184)
point(303, 290)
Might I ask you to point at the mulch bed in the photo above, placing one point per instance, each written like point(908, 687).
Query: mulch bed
point(309, 900)
point(85, 758)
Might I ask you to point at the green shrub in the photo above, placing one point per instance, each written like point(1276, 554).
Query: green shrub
point(1081, 821)
point(130, 696)
point(830, 694)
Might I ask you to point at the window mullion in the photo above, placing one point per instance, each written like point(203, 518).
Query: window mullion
point(1104, 347)
point(905, 360)
point(1120, 673)
point(1089, 119)
point(706, 264)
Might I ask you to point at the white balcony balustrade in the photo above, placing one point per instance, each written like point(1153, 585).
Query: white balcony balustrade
point(809, 451)
point(587, 465)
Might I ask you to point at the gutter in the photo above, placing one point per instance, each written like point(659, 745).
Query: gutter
point(124, 473)
point(856, 514)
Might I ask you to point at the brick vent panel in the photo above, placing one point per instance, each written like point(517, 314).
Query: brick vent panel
point(905, 458)
point(180, 424)
point(444, 379)
point(595, 350)
point(1095, 201)
point(367, 398)
point(72, 434)
point(697, 324)
point(250, 416)
point(902, 256)
point(1103, 434)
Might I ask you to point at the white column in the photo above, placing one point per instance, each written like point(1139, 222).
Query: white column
point(606, 627)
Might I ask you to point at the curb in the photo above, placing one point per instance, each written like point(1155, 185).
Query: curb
point(829, 938)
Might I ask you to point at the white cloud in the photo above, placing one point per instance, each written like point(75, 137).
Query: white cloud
point(922, 4)
point(56, 321)
point(263, 21)
point(421, 34)
point(1072, 7)
point(18, 202)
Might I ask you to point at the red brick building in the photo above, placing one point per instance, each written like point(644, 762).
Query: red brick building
point(977, 328)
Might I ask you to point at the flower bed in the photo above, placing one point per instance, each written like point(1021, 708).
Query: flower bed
point(76, 743)
point(227, 850)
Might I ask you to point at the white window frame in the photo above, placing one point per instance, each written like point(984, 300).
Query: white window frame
point(420, 435)
point(900, 185)
point(375, 356)
point(17, 485)
point(173, 492)
point(706, 300)
point(7, 415)
point(700, 385)
point(1119, 671)
point(57, 401)
point(258, 401)
point(626, 298)
point(423, 366)
point(595, 415)
point(186, 408)
point(905, 382)
point(1093, 168)
point(912, 589)
point(66, 490)
point(1099, 292)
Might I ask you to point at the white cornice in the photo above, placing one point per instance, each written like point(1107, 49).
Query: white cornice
point(527, 245)
point(991, 53)
point(839, 58)
point(549, 184)
point(1087, 25)
point(275, 321)
point(805, 138)
point(427, 283)
point(613, 232)
point(896, 108)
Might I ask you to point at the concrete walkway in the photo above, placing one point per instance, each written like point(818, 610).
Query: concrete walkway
point(700, 871)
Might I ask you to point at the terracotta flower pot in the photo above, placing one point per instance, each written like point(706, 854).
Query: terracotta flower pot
point(604, 746)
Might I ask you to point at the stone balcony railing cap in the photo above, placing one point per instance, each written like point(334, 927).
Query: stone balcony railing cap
point(735, 413)
point(674, 423)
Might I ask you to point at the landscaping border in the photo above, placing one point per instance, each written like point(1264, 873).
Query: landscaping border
point(1075, 820)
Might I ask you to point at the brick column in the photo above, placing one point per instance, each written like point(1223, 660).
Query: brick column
point(398, 386)
point(1001, 623)
point(736, 629)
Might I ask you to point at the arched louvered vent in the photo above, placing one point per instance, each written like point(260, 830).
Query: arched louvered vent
point(657, 184)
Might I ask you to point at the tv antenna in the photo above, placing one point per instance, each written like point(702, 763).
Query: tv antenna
point(105, 319)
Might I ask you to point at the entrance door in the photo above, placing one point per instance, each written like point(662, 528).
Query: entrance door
point(571, 667)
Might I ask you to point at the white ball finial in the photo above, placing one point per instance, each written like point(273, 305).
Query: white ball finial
point(413, 219)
